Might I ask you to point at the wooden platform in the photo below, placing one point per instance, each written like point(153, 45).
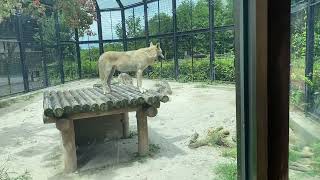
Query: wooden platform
point(63, 107)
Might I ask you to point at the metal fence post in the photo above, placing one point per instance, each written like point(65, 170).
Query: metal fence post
point(76, 35)
point(146, 26)
point(174, 24)
point(146, 29)
point(101, 50)
point(309, 56)
point(211, 27)
point(123, 22)
point(22, 51)
point(44, 60)
point(58, 45)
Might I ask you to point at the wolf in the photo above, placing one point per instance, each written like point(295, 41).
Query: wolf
point(129, 61)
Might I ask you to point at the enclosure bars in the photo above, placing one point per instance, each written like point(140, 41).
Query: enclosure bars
point(191, 27)
point(22, 51)
point(211, 27)
point(174, 24)
point(43, 59)
point(123, 22)
point(99, 28)
point(158, 3)
point(146, 28)
point(58, 45)
point(309, 57)
point(76, 36)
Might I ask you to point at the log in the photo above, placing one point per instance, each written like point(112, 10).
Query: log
point(148, 99)
point(140, 99)
point(64, 103)
point(76, 107)
point(142, 125)
point(57, 108)
point(103, 97)
point(125, 125)
point(131, 100)
point(117, 102)
point(163, 98)
point(47, 107)
point(102, 104)
point(151, 111)
point(157, 104)
point(124, 101)
point(93, 105)
point(155, 95)
point(66, 128)
point(84, 106)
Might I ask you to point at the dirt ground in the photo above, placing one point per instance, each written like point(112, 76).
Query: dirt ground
point(28, 144)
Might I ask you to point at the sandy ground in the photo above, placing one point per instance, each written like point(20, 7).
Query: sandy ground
point(28, 144)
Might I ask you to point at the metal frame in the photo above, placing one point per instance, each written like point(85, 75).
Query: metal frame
point(211, 30)
point(22, 52)
point(58, 45)
point(262, 41)
point(309, 56)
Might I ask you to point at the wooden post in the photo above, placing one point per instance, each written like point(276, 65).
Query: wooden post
point(142, 124)
point(125, 125)
point(68, 140)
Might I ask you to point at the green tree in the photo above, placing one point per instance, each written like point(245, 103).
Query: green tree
point(165, 24)
point(133, 27)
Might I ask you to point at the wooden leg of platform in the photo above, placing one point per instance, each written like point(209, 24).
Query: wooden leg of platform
point(125, 125)
point(143, 145)
point(68, 140)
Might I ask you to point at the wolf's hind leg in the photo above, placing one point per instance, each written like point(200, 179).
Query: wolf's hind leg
point(110, 76)
point(104, 74)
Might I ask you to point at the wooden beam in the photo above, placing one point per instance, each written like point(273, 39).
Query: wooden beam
point(125, 125)
point(142, 124)
point(77, 116)
point(66, 128)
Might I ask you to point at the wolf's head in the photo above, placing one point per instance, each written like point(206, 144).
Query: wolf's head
point(158, 50)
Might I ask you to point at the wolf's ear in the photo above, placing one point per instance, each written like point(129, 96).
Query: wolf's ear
point(151, 44)
point(158, 45)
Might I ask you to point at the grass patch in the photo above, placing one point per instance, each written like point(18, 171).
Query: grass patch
point(153, 150)
point(202, 85)
point(226, 171)
point(294, 156)
point(7, 102)
point(316, 158)
point(230, 152)
point(132, 134)
point(6, 175)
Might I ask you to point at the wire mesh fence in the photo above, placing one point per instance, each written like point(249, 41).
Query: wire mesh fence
point(196, 38)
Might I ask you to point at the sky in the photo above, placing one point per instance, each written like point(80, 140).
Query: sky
point(109, 20)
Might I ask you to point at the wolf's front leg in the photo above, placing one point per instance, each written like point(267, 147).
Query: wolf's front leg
point(139, 81)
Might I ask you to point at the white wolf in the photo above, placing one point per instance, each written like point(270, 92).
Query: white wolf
point(129, 61)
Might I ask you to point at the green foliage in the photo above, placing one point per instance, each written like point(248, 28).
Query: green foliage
point(190, 15)
point(6, 175)
point(316, 157)
point(298, 81)
point(230, 152)
point(89, 68)
point(226, 171)
point(294, 156)
point(201, 70)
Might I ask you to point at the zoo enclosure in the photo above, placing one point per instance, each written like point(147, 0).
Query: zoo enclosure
point(196, 37)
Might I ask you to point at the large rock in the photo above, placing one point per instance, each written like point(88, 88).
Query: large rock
point(163, 87)
point(124, 78)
